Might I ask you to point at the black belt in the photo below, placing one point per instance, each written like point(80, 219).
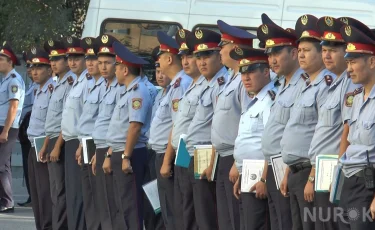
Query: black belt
point(299, 166)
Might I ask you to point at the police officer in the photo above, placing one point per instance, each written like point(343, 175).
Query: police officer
point(151, 88)
point(165, 115)
point(12, 90)
point(255, 75)
point(24, 123)
point(87, 119)
point(104, 194)
point(357, 161)
point(71, 113)
point(232, 100)
point(299, 130)
point(38, 169)
point(207, 53)
point(55, 149)
point(281, 47)
point(153, 221)
point(126, 138)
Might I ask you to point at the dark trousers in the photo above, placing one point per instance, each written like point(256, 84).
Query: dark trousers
point(227, 204)
point(90, 207)
point(57, 186)
point(40, 192)
point(355, 202)
point(325, 211)
point(73, 187)
point(184, 199)
point(152, 221)
point(105, 196)
point(279, 206)
point(25, 148)
point(298, 205)
point(254, 213)
point(205, 207)
point(166, 195)
point(6, 194)
point(128, 189)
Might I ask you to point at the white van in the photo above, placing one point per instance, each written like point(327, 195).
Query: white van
point(135, 22)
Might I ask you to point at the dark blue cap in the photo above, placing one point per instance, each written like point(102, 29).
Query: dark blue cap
point(267, 20)
point(275, 37)
point(306, 27)
point(167, 43)
point(124, 56)
point(181, 37)
point(359, 25)
point(38, 56)
point(248, 58)
point(6, 50)
point(103, 45)
point(235, 35)
point(358, 43)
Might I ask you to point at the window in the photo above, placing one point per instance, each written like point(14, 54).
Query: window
point(216, 29)
point(139, 37)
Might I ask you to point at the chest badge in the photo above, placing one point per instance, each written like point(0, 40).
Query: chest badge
point(136, 103)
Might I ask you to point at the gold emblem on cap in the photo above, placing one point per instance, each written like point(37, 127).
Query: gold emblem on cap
point(4, 43)
point(35, 60)
point(265, 29)
point(345, 20)
point(304, 19)
point(199, 34)
point(270, 42)
point(90, 51)
point(330, 36)
point(1, 51)
point(69, 40)
point(202, 47)
point(351, 47)
point(33, 50)
point(104, 49)
point(72, 50)
point(51, 43)
point(105, 39)
point(184, 46)
point(289, 30)
point(181, 33)
point(244, 62)
point(54, 52)
point(238, 51)
point(88, 41)
point(348, 30)
point(329, 21)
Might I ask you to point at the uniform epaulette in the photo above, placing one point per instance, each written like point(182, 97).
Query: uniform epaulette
point(88, 76)
point(272, 94)
point(277, 83)
point(177, 83)
point(70, 80)
point(306, 78)
point(221, 80)
point(13, 75)
point(358, 90)
point(328, 79)
point(349, 97)
point(135, 87)
point(35, 90)
point(51, 88)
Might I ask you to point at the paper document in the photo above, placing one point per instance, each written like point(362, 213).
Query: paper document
point(38, 144)
point(88, 149)
point(152, 193)
point(202, 159)
point(278, 168)
point(182, 155)
point(324, 169)
point(252, 171)
point(337, 183)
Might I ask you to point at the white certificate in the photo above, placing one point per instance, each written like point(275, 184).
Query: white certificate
point(278, 168)
point(324, 171)
point(152, 193)
point(252, 171)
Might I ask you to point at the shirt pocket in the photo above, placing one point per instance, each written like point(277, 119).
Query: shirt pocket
point(92, 105)
point(189, 106)
point(122, 110)
point(282, 111)
point(109, 105)
point(75, 99)
point(42, 111)
point(205, 109)
point(367, 132)
point(254, 123)
point(330, 114)
point(308, 115)
point(57, 105)
point(164, 109)
point(228, 100)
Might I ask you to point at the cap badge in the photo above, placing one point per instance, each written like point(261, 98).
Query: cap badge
point(90, 51)
point(1, 51)
point(36, 60)
point(88, 41)
point(181, 33)
point(330, 36)
point(351, 47)
point(199, 34)
point(202, 47)
point(305, 34)
point(344, 20)
point(50, 43)
point(33, 50)
point(329, 21)
point(183, 46)
point(69, 40)
point(105, 39)
point(238, 51)
point(104, 49)
point(54, 52)
point(245, 62)
point(304, 19)
point(289, 30)
point(348, 30)
point(72, 50)
point(265, 29)
point(270, 42)
point(4, 43)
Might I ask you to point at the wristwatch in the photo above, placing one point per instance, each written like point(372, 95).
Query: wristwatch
point(311, 179)
point(262, 180)
point(107, 155)
point(123, 156)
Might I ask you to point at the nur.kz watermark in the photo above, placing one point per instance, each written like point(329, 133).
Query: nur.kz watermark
point(337, 214)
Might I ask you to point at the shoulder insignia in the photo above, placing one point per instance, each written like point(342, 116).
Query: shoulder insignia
point(277, 83)
point(358, 90)
point(136, 103)
point(328, 79)
point(13, 75)
point(35, 90)
point(70, 80)
point(221, 80)
point(306, 78)
point(175, 104)
point(177, 83)
point(250, 94)
point(135, 87)
point(14, 88)
point(50, 88)
point(88, 76)
point(272, 94)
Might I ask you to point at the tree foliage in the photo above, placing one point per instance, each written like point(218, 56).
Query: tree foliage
point(29, 22)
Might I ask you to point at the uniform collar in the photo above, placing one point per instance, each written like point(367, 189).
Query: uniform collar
point(200, 80)
point(338, 80)
point(45, 87)
point(264, 91)
point(296, 76)
point(320, 77)
point(82, 76)
point(69, 73)
point(220, 73)
point(13, 71)
point(133, 83)
point(99, 81)
point(178, 75)
point(114, 82)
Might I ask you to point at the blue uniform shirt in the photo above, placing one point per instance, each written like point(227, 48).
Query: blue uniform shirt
point(12, 87)
point(39, 111)
point(133, 105)
point(29, 99)
point(151, 88)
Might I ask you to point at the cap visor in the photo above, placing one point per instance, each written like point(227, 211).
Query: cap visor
point(354, 55)
point(331, 43)
point(275, 49)
point(249, 68)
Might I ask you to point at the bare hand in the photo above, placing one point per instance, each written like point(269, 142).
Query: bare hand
point(78, 153)
point(55, 155)
point(261, 190)
point(309, 192)
point(233, 174)
point(166, 170)
point(42, 155)
point(207, 173)
point(107, 166)
point(126, 166)
point(372, 209)
point(284, 186)
point(79, 160)
point(93, 164)
point(237, 189)
point(3, 137)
